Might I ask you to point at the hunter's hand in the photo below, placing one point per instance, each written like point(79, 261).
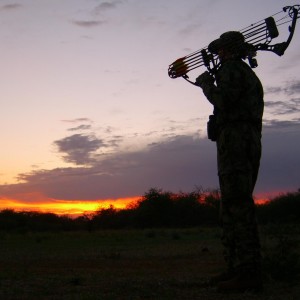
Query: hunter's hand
point(204, 78)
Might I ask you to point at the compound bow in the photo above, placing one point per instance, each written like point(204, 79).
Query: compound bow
point(259, 35)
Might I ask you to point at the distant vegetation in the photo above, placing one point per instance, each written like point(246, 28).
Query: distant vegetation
point(156, 209)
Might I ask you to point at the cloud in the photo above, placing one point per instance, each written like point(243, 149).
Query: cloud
point(78, 148)
point(293, 87)
point(11, 6)
point(80, 127)
point(289, 88)
point(290, 92)
point(282, 125)
point(88, 24)
point(96, 13)
point(284, 107)
point(105, 6)
point(78, 120)
point(115, 141)
point(179, 163)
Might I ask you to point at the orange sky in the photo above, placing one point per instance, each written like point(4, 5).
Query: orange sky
point(43, 204)
point(65, 207)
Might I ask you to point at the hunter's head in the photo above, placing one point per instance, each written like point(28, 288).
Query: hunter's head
point(230, 44)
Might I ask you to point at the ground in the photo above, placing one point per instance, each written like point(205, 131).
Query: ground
point(122, 264)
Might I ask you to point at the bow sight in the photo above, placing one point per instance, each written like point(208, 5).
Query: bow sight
point(257, 35)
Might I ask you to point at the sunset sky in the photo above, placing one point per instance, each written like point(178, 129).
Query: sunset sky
point(90, 116)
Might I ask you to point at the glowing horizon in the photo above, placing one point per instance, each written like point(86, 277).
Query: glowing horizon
point(67, 207)
point(75, 208)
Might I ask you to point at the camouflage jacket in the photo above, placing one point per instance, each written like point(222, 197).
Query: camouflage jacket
point(237, 95)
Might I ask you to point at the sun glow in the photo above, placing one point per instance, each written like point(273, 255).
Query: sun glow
point(262, 201)
point(66, 207)
point(36, 201)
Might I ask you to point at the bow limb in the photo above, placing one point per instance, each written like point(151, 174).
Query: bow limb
point(280, 48)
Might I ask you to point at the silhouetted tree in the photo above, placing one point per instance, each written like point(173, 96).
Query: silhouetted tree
point(284, 208)
point(156, 208)
point(188, 209)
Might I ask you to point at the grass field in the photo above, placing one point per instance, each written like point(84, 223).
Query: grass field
point(128, 264)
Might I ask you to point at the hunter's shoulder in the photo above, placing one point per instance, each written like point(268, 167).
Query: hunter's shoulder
point(234, 64)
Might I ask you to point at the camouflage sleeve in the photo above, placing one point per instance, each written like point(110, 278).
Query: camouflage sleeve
point(229, 87)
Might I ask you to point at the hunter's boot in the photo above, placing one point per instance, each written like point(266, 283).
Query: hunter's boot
point(245, 280)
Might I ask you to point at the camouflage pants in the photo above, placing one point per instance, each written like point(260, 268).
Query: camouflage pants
point(239, 152)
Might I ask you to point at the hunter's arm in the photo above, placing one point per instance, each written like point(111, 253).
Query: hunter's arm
point(228, 89)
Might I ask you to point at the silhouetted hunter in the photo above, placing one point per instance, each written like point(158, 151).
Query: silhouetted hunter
point(237, 96)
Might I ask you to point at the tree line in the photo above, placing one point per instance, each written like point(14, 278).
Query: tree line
point(156, 209)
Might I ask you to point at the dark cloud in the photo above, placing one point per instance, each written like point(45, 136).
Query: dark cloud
point(109, 129)
point(80, 127)
point(97, 15)
point(177, 163)
point(282, 125)
point(289, 92)
point(293, 87)
point(11, 6)
point(289, 88)
point(284, 107)
point(88, 24)
point(280, 158)
point(115, 140)
point(180, 163)
point(273, 90)
point(105, 6)
point(77, 120)
point(78, 148)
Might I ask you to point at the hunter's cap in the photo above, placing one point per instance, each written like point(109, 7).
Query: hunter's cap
point(228, 40)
